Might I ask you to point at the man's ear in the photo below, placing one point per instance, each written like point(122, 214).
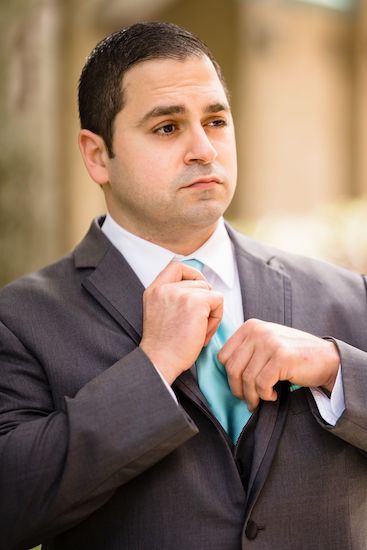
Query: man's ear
point(95, 156)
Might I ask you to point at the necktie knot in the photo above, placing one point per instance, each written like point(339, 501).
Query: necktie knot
point(192, 262)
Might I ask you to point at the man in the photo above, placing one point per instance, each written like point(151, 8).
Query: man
point(109, 439)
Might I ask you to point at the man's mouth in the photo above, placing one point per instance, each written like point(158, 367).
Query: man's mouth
point(204, 182)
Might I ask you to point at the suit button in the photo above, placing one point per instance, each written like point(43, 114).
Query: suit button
point(251, 530)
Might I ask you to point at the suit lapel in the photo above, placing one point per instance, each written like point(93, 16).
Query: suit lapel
point(268, 431)
point(265, 288)
point(266, 295)
point(115, 286)
point(111, 281)
point(187, 383)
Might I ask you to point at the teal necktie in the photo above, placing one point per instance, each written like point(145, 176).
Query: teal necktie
point(231, 412)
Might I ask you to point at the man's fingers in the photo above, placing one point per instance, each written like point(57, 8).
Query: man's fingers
point(251, 374)
point(258, 382)
point(265, 381)
point(197, 283)
point(235, 365)
point(215, 300)
point(214, 321)
point(177, 271)
point(232, 344)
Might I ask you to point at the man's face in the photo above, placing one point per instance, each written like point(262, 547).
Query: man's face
point(174, 170)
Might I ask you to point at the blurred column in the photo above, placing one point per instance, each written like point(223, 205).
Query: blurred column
point(82, 198)
point(29, 142)
point(361, 99)
point(295, 96)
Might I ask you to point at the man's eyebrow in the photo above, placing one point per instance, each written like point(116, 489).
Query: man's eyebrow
point(162, 110)
point(167, 110)
point(216, 108)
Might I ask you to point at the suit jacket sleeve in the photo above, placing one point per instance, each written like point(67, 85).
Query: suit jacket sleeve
point(352, 425)
point(58, 466)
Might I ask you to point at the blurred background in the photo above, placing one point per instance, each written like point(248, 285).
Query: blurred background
point(297, 73)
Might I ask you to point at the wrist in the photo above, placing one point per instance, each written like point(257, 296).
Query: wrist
point(161, 363)
point(333, 362)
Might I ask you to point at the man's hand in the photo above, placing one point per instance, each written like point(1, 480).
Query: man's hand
point(259, 354)
point(181, 314)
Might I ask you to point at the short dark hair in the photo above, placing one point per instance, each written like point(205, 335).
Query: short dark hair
point(100, 84)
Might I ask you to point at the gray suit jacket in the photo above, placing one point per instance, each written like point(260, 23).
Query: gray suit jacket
point(95, 453)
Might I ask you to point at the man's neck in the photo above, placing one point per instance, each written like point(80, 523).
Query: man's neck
point(179, 242)
point(184, 247)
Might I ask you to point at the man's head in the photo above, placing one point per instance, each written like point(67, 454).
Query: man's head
point(101, 84)
point(157, 134)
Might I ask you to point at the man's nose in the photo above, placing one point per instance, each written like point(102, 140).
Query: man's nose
point(200, 148)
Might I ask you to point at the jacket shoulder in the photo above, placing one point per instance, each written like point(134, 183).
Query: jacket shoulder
point(289, 262)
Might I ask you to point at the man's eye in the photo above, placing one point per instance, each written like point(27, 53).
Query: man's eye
point(217, 123)
point(165, 130)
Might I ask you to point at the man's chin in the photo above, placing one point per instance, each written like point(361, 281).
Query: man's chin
point(205, 214)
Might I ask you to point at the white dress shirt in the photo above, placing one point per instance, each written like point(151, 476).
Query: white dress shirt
point(220, 269)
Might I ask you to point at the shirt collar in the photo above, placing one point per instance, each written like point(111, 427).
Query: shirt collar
point(148, 259)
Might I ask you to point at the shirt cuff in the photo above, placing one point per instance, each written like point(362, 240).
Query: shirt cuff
point(331, 408)
point(167, 385)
